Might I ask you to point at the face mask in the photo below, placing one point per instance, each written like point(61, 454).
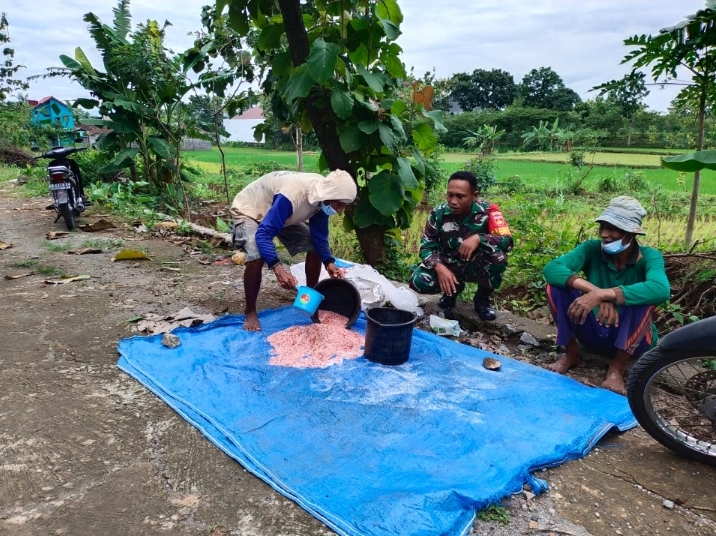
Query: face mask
point(328, 209)
point(613, 248)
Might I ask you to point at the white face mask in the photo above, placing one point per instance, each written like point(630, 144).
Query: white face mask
point(614, 248)
point(328, 209)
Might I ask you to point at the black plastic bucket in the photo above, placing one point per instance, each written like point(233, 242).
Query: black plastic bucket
point(388, 335)
point(339, 296)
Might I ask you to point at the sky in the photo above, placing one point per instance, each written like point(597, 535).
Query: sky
point(582, 41)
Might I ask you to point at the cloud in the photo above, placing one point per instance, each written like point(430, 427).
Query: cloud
point(581, 41)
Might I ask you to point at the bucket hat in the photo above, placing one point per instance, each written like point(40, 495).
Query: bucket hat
point(624, 213)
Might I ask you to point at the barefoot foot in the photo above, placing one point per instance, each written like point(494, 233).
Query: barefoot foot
point(251, 323)
point(614, 381)
point(564, 363)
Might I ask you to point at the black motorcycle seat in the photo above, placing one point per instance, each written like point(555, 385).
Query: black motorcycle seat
point(699, 336)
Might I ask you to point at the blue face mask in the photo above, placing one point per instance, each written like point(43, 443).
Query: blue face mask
point(328, 209)
point(614, 248)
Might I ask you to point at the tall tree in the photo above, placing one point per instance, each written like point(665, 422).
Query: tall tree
point(339, 77)
point(544, 88)
point(8, 69)
point(628, 93)
point(140, 93)
point(484, 89)
point(690, 45)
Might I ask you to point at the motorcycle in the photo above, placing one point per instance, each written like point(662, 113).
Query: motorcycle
point(672, 391)
point(65, 182)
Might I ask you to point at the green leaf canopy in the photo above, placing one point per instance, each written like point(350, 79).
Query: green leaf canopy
point(691, 162)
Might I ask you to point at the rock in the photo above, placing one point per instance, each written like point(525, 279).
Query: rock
point(528, 495)
point(528, 339)
point(534, 525)
point(534, 517)
point(170, 340)
point(510, 329)
point(239, 258)
point(597, 514)
point(668, 504)
point(490, 363)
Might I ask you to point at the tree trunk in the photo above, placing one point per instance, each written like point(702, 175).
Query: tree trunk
point(688, 239)
point(299, 148)
point(223, 157)
point(631, 123)
point(371, 243)
point(370, 238)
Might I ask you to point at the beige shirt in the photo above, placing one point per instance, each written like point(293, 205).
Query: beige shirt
point(255, 199)
point(305, 191)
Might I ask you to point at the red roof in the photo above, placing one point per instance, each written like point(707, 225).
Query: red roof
point(35, 103)
point(252, 113)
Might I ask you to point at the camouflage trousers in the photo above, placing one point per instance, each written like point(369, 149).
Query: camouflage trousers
point(483, 268)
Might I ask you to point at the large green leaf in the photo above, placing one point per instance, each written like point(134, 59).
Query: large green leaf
point(393, 65)
point(691, 162)
point(298, 85)
point(322, 60)
point(389, 10)
point(405, 170)
point(386, 192)
point(369, 125)
point(121, 161)
point(387, 136)
point(238, 19)
point(366, 214)
point(342, 103)
point(270, 36)
point(352, 139)
point(281, 64)
point(80, 57)
point(391, 30)
point(374, 80)
point(398, 126)
point(437, 117)
point(161, 147)
point(424, 137)
point(71, 64)
point(88, 104)
point(398, 108)
point(359, 56)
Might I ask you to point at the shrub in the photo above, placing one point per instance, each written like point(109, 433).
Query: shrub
point(512, 185)
point(483, 167)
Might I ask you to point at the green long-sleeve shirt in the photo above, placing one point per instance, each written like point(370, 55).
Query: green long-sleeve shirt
point(642, 281)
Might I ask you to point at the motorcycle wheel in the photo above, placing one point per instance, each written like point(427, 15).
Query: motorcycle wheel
point(67, 215)
point(673, 396)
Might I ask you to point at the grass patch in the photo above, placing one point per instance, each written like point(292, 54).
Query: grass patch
point(105, 244)
point(56, 247)
point(37, 267)
point(494, 513)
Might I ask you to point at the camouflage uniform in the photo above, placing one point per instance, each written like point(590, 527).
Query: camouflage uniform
point(441, 242)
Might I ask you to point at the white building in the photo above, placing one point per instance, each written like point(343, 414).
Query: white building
point(241, 127)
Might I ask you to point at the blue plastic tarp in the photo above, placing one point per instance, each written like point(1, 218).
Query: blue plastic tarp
point(370, 449)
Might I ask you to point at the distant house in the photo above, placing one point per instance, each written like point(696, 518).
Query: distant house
point(53, 112)
point(89, 134)
point(241, 127)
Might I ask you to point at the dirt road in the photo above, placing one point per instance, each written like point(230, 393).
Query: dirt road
point(86, 450)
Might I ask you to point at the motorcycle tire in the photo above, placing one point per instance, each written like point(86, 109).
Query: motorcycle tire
point(645, 394)
point(68, 215)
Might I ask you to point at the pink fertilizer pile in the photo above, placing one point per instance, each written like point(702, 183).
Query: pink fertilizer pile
point(316, 345)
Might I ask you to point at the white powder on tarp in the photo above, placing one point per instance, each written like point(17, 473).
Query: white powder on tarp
point(316, 345)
